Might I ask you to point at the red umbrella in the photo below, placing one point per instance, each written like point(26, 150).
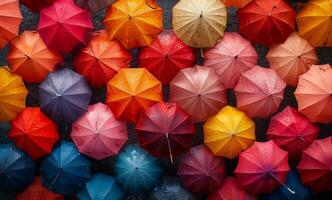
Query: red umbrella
point(37, 5)
point(200, 171)
point(262, 168)
point(165, 130)
point(166, 56)
point(64, 25)
point(94, 5)
point(292, 131)
point(316, 165)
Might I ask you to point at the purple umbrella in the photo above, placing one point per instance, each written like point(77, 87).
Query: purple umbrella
point(64, 95)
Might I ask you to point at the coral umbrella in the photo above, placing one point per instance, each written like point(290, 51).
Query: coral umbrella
point(266, 22)
point(230, 57)
point(199, 91)
point(200, 171)
point(12, 93)
point(65, 170)
point(165, 130)
point(236, 3)
point(94, 5)
point(131, 92)
point(64, 95)
point(292, 132)
point(166, 56)
point(37, 5)
point(259, 92)
point(229, 132)
point(101, 59)
point(198, 23)
point(314, 94)
point(135, 23)
point(64, 25)
point(292, 58)
point(29, 57)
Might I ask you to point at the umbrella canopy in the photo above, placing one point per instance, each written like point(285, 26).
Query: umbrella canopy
point(131, 92)
point(13, 94)
point(262, 168)
point(230, 57)
point(65, 170)
point(34, 133)
point(292, 132)
point(37, 5)
point(135, 23)
point(17, 169)
point(200, 171)
point(29, 57)
point(64, 95)
point(314, 22)
point(314, 93)
point(292, 58)
point(266, 22)
point(166, 56)
point(101, 187)
point(64, 25)
point(199, 23)
point(259, 92)
point(199, 91)
point(236, 3)
point(316, 164)
point(165, 130)
point(94, 5)
point(136, 170)
point(98, 133)
point(229, 132)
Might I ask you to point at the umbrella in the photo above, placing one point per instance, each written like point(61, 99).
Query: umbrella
point(236, 3)
point(11, 19)
point(230, 57)
point(30, 57)
point(131, 92)
point(200, 171)
point(313, 93)
point(136, 170)
point(292, 58)
point(37, 5)
point(13, 94)
point(259, 92)
point(199, 23)
point(292, 132)
point(134, 23)
point(262, 168)
point(266, 22)
point(314, 22)
point(64, 25)
point(166, 56)
point(34, 133)
point(64, 95)
point(94, 5)
point(17, 169)
point(65, 170)
point(4, 130)
point(165, 130)
point(98, 133)
point(316, 164)
point(101, 187)
point(229, 132)
point(199, 91)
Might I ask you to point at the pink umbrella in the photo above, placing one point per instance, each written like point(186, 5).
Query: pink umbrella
point(98, 133)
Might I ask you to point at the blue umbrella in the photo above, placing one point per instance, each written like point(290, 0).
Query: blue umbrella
point(64, 95)
point(137, 170)
point(65, 170)
point(16, 169)
point(4, 130)
point(101, 187)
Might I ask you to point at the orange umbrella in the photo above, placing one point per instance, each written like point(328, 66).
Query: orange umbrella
point(314, 93)
point(131, 92)
point(30, 57)
point(236, 3)
point(135, 23)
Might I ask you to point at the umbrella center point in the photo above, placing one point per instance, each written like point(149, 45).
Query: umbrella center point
point(236, 57)
point(201, 15)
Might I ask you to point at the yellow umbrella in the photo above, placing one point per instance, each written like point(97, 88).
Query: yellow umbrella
point(12, 94)
point(229, 132)
point(199, 23)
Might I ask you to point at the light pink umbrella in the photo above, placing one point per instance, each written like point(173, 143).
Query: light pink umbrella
point(98, 133)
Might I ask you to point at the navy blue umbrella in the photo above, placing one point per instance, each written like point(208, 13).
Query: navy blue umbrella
point(4, 130)
point(64, 95)
point(16, 169)
point(65, 170)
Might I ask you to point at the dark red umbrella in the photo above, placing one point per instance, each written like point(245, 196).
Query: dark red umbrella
point(37, 5)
